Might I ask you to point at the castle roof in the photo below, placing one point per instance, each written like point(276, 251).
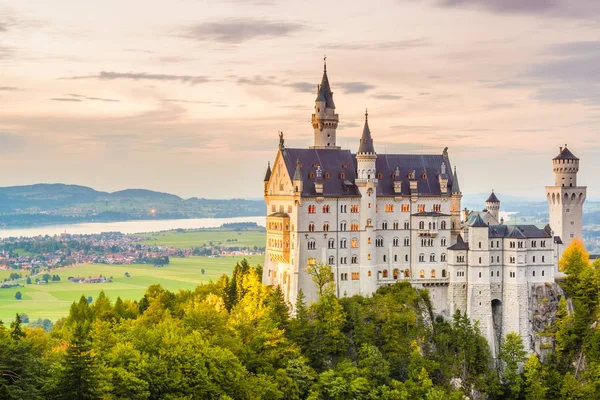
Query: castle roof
point(517, 232)
point(492, 198)
point(477, 222)
point(565, 154)
point(325, 93)
point(268, 174)
point(366, 141)
point(455, 187)
point(459, 245)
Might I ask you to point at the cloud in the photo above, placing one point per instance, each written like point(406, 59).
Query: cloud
point(304, 87)
point(215, 104)
point(259, 80)
point(387, 45)
point(384, 96)
point(551, 8)
point(348, 125)
point(10, 143)
point(8, 88)
point(509, 84)
point(241, 29)
point(82, 97)
point(355, 87)
point(66, 99)
point(137, 76)
point(574, 48)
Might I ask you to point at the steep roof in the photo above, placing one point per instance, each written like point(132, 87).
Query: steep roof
point(268, 174)
point(565, 154)
point(338, 166)
point(426, 167)
point(517, 232)
point(455, 187)
point(366, 141)
point(492, 198)
point(325, 93)
point(478, 222)
point(459, 245)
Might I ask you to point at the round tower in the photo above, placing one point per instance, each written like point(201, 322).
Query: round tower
point(492, 204)
point(324, 120)
point(565, 167)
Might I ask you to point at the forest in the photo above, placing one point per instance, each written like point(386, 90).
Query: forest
point(236, 338)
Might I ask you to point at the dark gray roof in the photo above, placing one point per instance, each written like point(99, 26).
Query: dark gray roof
point(429, 165)
point(565, 154)
point(459, 245)
point(430, 214)
point(325, 92)
point(492, 198)
point(455, 187)
point(517, 231)
point(478, 222)
point(333, 162)
point(268, 174)
point(366, 141)
point(298, 171)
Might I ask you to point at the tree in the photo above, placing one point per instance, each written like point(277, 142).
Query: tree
point(512, 353)
point(18, 296)
point(28, 280)
point(90, 299)
point(322, 276)
point(573, 262)
point(534, 386)
point(25, 318)
point(202, 271)
point(16, 332)
point(127, 275)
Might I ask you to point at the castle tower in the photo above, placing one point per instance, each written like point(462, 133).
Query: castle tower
point(565, 198)
point(479, 298)
point(457, 272)
point(367, 185)
point(455, 207)
point(492, 204)
point(324, 120)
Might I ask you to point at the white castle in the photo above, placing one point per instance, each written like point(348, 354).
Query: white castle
point(381, 218)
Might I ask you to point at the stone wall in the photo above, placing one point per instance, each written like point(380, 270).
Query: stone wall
point(543, 305)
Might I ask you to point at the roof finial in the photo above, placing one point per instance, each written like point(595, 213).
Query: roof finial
point(325, 63)
point(366, 114)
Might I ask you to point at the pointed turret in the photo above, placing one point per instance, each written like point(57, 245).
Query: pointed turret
point(492, 204)
point(366, 141)
point(298, 178)
point(455, 186)
point(268, 174)
point(324, 120)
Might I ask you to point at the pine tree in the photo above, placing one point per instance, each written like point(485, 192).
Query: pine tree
point(79, 379)
point(16, 332)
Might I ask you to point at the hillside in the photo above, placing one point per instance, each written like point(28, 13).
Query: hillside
point(44, 204)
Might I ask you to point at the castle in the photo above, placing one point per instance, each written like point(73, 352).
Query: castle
point(381, 218)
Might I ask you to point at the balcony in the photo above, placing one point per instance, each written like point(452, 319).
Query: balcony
point(427, 232)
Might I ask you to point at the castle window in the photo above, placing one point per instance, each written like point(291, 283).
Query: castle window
point(354, 243)
point(443, 257)
point(533, 258)
point(395, 257)
point(406, 257)
point(497, 273)
point(492, 244)
point(311, 227)
point(354, 227)
point(406, 273)
point(543, 258)
point(406, 225)
point(433, 273)
point(379, 242)
point(354, 208)
point(355, 276)
point(437, 207)
point(443, 273)
point(312, 261)
point(325, 227)
point(326, 208)
point(396, 225)
point(384, 258)
point(533, 273)
point(343, 243)
point(389, 208)
point(405, 207)
point(331, 243)
point(395, 242)
point(542, 272)
point(344, 277)
point(384, 225)
point(343, 208)
point(369, 256)
point(421, 225)
point(480, 277)
point(432, 257)
point(343, 226)
point(479, 244)
point(422, 274)
point(424, 176)
point(421, 257)
point(379, 175)
point(443, 242)
point(315, 165)
point(342, 175)
point(327, 176)
point(385, 273)
point(369, 273)
point(369, 222)
point(312, 245)
point(344, 165)
point(421, 207)
point(395, 273)
point(354, 259)
point(443, 225)
point(368, 240)
point(406, 242)
point(311, 175)
point(311, 209)
point(331, 260)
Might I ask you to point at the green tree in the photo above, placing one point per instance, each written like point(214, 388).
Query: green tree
point(16, 331)
point(322, 276)
point(513, 354)
point(534, 385)
point(18, 296)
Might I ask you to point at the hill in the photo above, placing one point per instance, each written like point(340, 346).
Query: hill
point(44, 204)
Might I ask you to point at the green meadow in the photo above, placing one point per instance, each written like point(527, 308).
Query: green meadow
point(53, 300)
point(196, 238)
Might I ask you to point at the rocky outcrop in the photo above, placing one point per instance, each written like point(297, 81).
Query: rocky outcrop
point(543, 306)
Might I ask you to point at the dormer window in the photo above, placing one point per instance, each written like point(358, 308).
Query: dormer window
point(379, 175)
point(327, 176)
point(424, 176)
point(311, 175)
point(315, 165)
point(342, 175)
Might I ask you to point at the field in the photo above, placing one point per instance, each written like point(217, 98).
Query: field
point(53, 300)
point(196, 238)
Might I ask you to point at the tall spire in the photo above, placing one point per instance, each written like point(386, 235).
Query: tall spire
point(268, 174)
point(455, 187)
point(324, 120)
point(366, 141)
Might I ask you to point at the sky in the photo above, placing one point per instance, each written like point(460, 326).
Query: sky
point(188, 96)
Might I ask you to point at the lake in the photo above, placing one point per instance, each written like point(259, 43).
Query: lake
point(127, 226)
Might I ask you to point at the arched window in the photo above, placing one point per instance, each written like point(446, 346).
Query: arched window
point(432, 257)
point(325, 227)
point(326, 208)
point(406, 273)
point(354, 243)
point(443, 257)
point(331, 243)
point(422, 273)
point(396, 273)
point(385, 273)
point(343, 243)
point(312, 244)
point(331, 260)
point(311, 227)
point(421, 257)
point(421, 225)
point(433, 273)
point(443, 225)
point(443, 273)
